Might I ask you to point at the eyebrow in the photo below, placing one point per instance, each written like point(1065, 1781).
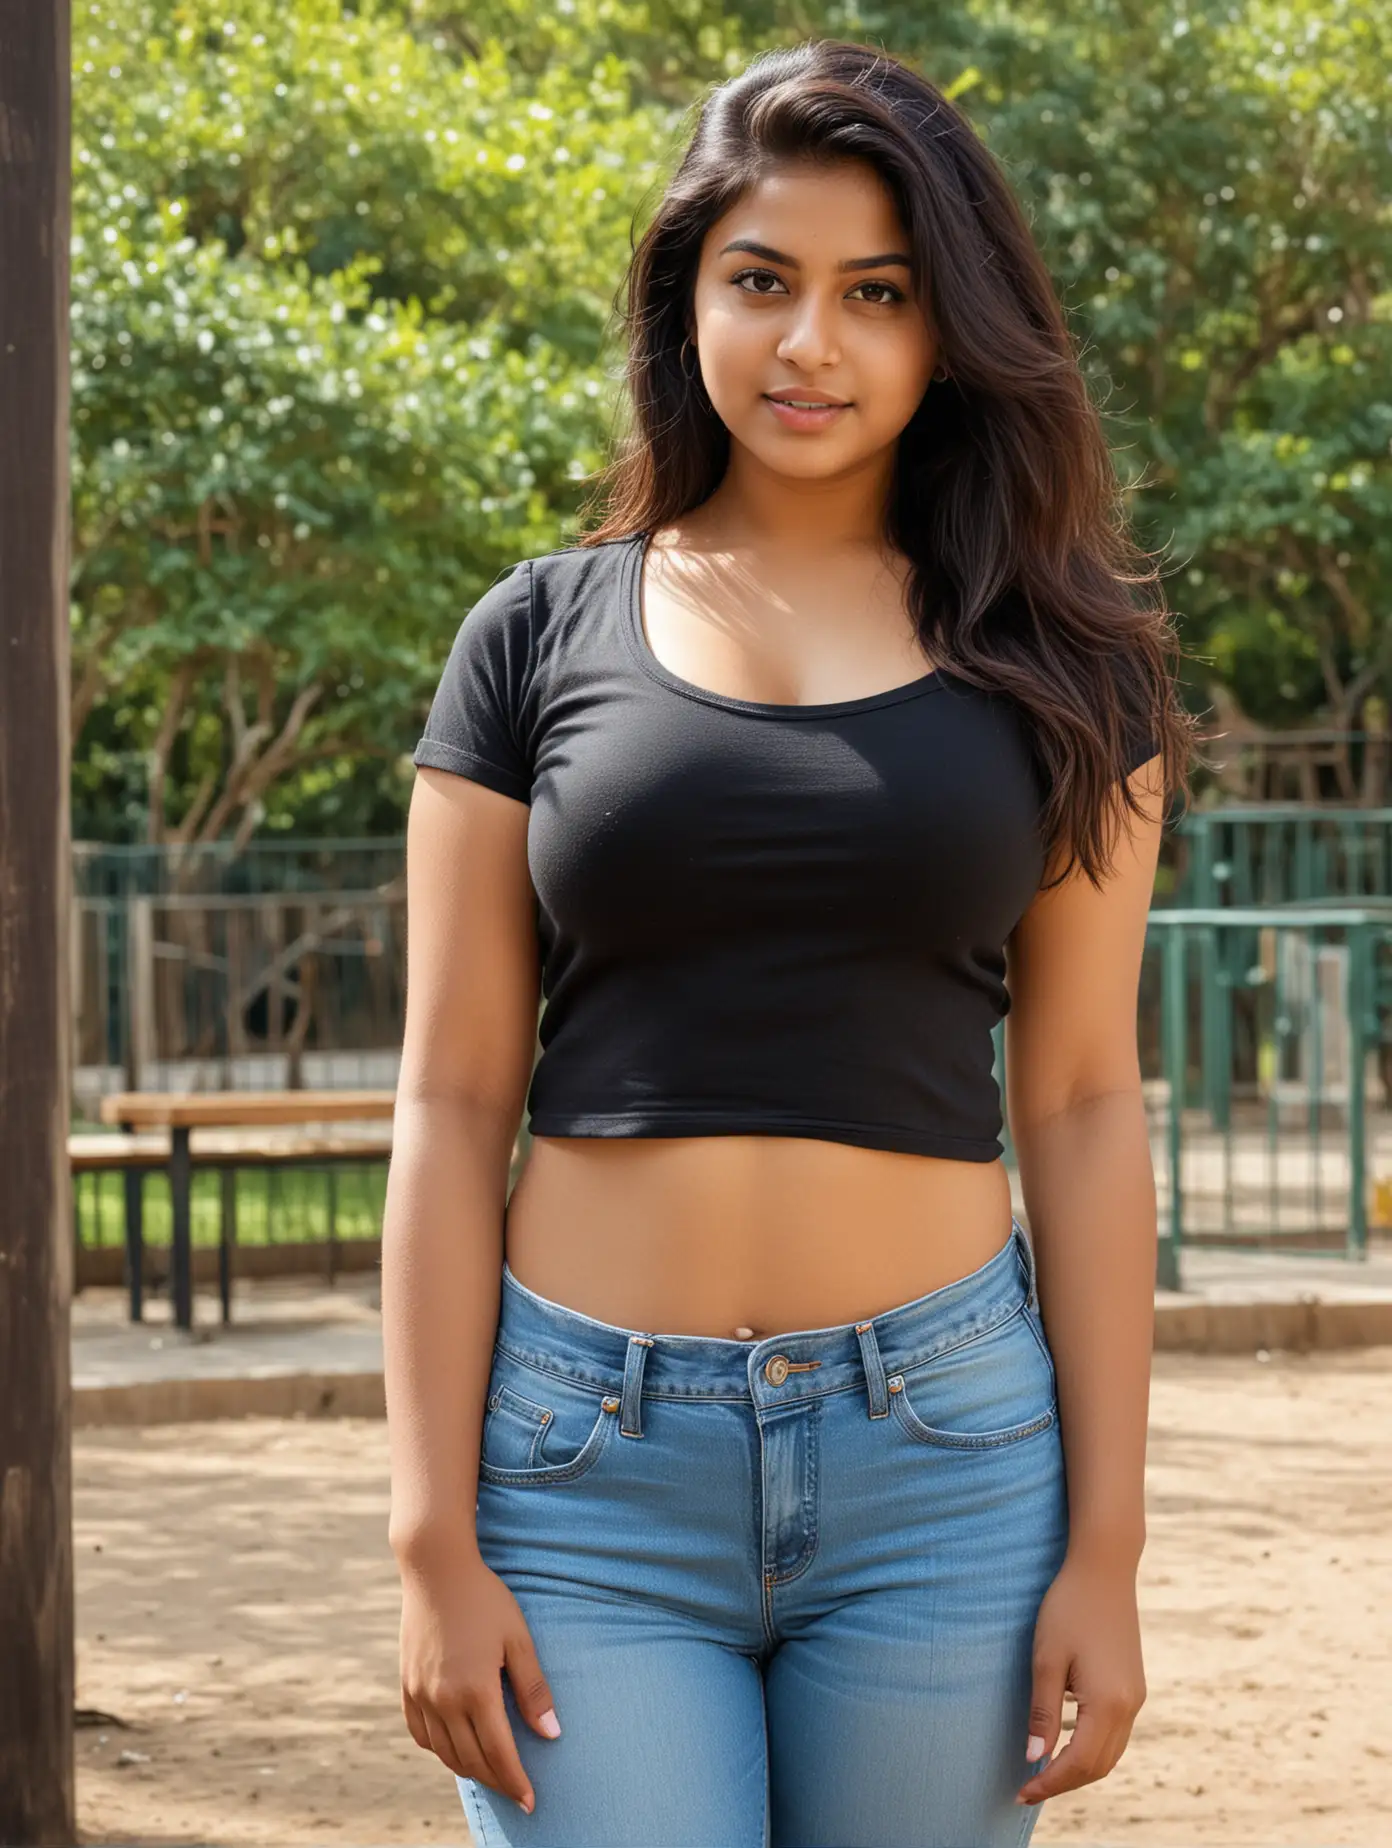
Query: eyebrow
point(851, 263)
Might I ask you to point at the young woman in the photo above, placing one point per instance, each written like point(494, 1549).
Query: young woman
point(749, 1485)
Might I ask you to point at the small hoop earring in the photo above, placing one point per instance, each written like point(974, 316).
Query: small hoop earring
point(939, 374)
point(681, 361)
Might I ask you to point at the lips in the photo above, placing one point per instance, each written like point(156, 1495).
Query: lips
point(819, 398)
point(819, 413)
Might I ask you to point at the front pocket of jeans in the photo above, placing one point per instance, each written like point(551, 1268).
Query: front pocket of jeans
point(994, 1388)
point(542, 1427)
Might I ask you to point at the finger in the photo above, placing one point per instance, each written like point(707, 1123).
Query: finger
point(1046, 1707)
point(441, 1742)
point(1032, 1788)
point(473, 1753)
point(530, 1688)
point(415, 1721)
point(499, 1746)
point(1081, 1761)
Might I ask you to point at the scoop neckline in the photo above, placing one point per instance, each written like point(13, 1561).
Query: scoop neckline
point(638, 643)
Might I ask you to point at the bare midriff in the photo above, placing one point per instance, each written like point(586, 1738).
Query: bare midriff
point(746, 1236)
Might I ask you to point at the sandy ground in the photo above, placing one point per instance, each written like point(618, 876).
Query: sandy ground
point(237, 1607)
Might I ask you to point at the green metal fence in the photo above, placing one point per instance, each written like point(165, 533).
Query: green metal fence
point(1263, 1033)
point(1266, 1049)
point(1241, 853)
point(1275, 1052)
point(290, 989)
point(262, 866)
point(1277, 853)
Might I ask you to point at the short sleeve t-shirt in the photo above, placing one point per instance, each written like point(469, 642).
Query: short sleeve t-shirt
point(753, 919)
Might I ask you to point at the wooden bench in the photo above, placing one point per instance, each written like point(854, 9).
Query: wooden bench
point(135, 1155)
point(157, 1132)
point(225, 1151)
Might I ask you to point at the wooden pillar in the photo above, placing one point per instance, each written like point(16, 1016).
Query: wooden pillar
point(36, 1256)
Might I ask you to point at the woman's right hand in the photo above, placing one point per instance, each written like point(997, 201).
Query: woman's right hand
point(459, 1629)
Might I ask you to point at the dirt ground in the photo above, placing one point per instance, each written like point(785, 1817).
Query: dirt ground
point(237, 1607)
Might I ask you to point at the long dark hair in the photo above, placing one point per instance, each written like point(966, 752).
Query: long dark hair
point(1026, 580)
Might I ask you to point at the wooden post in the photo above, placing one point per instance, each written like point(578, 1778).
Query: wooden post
point(36, 1258)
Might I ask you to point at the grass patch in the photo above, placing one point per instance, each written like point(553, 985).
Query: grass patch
point(274, 1205)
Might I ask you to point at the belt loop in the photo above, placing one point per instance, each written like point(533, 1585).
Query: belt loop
point(630, 1403)
point(1027, 1259)
point(874, 1369)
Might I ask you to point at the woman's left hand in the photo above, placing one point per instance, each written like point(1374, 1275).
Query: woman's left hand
point(1087, 1639)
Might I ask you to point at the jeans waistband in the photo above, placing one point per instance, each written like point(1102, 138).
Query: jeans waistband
point(778, 1370)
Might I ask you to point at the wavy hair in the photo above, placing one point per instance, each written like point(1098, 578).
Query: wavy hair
point(1025, 580)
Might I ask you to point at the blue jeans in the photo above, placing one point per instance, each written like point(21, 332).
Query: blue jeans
point(783, 1591)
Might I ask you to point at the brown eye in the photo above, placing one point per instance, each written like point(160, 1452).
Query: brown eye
point(891, 293)
point(888, 297)
point(739, 277)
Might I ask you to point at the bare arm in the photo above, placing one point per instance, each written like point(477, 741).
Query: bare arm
point(470, 1035)
point(1077, 1119)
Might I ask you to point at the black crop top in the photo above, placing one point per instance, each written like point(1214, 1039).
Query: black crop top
point(753, 919)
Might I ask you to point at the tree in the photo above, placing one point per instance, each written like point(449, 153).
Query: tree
point(36, 1555)
point(344, 280)
point(1211, 187)
point(340, 300)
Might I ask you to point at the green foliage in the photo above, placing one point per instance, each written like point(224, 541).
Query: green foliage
point(1210, 183)
point(339, 309)
point(343, 281)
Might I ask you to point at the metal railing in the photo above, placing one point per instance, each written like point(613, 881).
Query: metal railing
point(1265, 1029)
point(226, 991)
point(1263, 1033)
point(1276, 853)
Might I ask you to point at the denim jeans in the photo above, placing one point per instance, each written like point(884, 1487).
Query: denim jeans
point(783, 1591)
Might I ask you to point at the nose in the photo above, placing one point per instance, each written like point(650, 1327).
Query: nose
point(809, 341)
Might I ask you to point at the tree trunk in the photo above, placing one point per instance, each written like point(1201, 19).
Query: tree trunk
point(36, 1254)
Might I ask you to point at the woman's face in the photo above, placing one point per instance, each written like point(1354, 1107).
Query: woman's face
point(806, 312)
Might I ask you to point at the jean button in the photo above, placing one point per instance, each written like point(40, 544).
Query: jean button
point(776, 1369)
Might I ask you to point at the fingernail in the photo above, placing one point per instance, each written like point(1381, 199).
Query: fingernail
point(1035, 1748)
point(527, 1803)
point(549, 1724)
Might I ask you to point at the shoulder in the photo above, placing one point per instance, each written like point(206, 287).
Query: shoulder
point(537, 594)
point(529, 593)
point(570, 575)
point(572, 595)
point(540, 616)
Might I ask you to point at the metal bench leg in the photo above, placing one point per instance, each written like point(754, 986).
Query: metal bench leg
point(181, 1251)
point(135, 1241)
point(227, 1238)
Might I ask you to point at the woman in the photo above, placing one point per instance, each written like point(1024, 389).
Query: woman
point(745, 1488)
